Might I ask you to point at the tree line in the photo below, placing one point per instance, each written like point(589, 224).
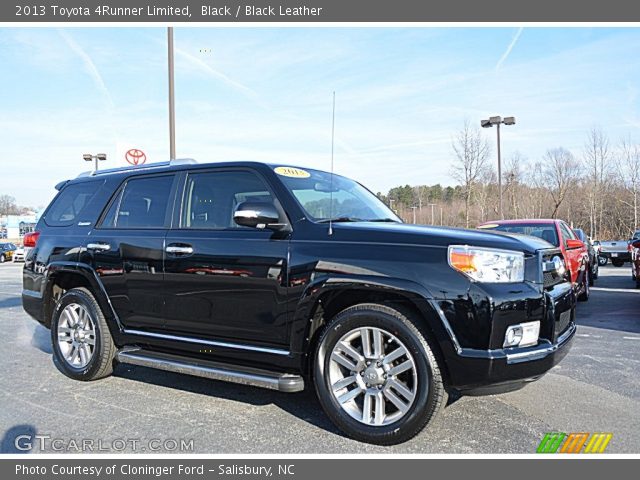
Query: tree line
point(8, 206)
point(596, 189)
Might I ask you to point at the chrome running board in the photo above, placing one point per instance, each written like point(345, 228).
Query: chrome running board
point(282, 382)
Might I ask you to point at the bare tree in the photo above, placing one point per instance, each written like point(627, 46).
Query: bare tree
point(561, 173)
point(8, 205)
point(513, 176)
point(419, 193)
point(471, 151)
point(597, 155)
point(629, 171)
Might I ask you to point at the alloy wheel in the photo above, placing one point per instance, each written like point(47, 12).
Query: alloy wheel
point(373, 376)
point(76, 335)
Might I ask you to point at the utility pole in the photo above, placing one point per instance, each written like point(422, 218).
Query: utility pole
point(172, 106)
point(414, 214)
point(433, 218)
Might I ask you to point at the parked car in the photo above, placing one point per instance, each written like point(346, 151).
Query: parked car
point(594, 264)
point(19, 254)
point(602, 260)
point(278, 277)
point(7, 251)
point(617, 251)
point(634, 247)
point(558, 234)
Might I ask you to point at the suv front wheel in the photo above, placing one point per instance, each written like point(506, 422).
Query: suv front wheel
point(376, 375)
point(82, 345)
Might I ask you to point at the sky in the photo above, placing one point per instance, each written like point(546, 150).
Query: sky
point(265, 94)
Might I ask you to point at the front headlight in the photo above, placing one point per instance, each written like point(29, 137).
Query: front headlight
point(487, 265)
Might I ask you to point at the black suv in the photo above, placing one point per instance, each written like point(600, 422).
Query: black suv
point(282, 277)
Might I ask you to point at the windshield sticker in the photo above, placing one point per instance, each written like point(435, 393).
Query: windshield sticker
point(292, 172)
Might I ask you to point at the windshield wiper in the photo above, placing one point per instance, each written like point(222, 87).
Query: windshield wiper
point(383, 220)
point(340, 219)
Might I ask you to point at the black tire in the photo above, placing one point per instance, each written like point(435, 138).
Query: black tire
point(617, 263)
point(430, 394)
point(595, 271)
point(101, 363)
point(602, 261)
point(586, 282)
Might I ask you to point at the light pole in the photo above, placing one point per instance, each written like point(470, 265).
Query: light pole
point(100, 157)
point(433, 218)
point(172, 106)
point(497, 121)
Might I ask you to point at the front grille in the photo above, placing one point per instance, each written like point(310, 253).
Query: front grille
point(551, 279)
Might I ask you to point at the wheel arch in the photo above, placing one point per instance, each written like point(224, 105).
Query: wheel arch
point(324, 301)
point(65, 276)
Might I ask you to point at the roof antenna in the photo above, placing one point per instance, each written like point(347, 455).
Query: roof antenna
point(333, 125)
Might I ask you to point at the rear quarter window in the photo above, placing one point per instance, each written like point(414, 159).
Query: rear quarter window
point(69, 204)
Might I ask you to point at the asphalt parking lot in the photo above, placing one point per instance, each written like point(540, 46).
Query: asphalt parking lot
point(595, 389)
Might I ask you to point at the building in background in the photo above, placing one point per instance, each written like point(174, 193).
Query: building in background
point(15, 226)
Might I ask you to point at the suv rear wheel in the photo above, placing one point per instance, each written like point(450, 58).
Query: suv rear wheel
point(82, 345)
point(376, 375)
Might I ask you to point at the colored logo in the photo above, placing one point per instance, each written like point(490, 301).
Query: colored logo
point(557, 442)
point(135, 157)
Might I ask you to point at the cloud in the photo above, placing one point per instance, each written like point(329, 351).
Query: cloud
point(90, 67)
point(205, 67)
point(507, 52)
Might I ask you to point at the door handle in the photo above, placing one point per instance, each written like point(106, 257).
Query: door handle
point(98, 246)
point(179, 250)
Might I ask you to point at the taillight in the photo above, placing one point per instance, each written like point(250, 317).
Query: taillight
point(30, 239)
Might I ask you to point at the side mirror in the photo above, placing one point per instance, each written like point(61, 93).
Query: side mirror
point(257, 215)
point(574, 243)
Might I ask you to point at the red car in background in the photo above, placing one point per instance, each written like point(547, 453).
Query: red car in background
point(558, 233)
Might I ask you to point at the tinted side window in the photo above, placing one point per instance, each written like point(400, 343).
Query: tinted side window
point(141, 204)
point(567, 233)
point(68, 205)
point(211, 198)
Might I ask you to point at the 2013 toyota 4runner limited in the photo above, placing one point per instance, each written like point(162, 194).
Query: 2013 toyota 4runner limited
point(280, 277)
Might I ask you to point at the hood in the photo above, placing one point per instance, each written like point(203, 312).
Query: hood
point(436, 236)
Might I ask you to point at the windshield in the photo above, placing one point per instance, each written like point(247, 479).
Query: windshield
point(545, 231)
point(340, 199)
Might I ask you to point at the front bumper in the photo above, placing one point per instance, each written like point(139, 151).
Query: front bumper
point(622, 256)
point(481, 371)
point(510, 369)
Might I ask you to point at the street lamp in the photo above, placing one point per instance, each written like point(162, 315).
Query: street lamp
point(100, 157)
point(497, 121)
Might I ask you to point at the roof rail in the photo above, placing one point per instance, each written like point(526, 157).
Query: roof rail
point(174, 162)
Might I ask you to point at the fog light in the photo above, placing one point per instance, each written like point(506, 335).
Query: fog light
point(522, 334)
